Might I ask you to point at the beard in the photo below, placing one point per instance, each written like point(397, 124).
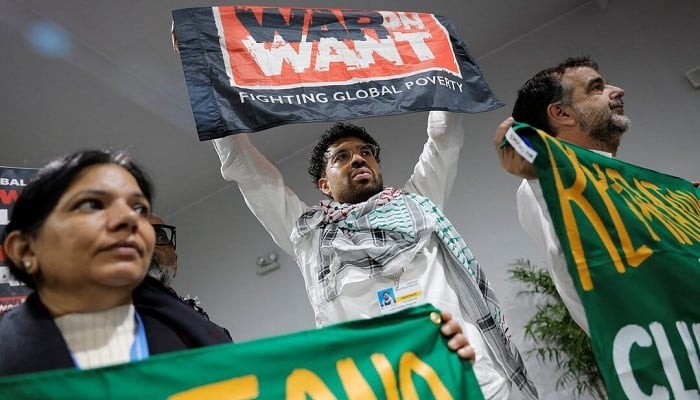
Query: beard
point(603, 125)
point(163, 273)
point(364, 192)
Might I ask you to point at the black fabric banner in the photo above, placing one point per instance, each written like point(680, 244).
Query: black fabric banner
point(251, 68)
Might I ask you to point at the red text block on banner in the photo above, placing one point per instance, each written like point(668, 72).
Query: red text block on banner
point(264, 47)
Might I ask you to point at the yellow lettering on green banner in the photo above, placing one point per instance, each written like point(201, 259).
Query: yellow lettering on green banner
point(688, 203)
point(302, 383)
point(634, 256)
point(387, 375)
point(574, 195)
point(241, 388)
point(356, 387)
point(683, 227)
point(409, 364)
point(631, 198)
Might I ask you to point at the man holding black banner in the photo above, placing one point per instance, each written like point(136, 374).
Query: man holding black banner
point(572, 102)
point(366, 240)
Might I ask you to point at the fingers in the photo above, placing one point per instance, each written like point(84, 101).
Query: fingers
point(467, 353)
point(511, 161)
point(501, 132)
point(449, 326)
point(515, 164)
point(457, 342)
point(446, 315)
point(460, 344)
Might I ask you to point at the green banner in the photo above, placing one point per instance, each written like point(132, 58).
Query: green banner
point(631, 238)
point(397, 356)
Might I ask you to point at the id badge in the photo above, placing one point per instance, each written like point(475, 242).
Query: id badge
point(405, 295)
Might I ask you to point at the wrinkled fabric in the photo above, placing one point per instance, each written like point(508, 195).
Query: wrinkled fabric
point(385, 233)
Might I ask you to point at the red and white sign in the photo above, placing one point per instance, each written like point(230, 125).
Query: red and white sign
point(333, 46)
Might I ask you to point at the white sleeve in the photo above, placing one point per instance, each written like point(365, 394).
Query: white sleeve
point(273, 204)
point(534, 218)
point(435, 172)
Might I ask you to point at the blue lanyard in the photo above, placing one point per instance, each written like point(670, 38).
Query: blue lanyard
point(139, 349)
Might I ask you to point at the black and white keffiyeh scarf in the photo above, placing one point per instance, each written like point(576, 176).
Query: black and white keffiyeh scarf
point(385, 233)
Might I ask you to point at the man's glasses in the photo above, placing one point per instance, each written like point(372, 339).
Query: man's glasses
point(343, 156)
point(165, 235)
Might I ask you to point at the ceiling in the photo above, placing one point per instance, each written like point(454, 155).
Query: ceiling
point(109, 78)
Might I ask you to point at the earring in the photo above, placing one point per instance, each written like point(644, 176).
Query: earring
point(27, 265)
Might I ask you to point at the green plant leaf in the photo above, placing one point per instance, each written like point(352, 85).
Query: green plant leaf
point(557, 337)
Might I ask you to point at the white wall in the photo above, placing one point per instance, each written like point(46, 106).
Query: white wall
point(635, 44)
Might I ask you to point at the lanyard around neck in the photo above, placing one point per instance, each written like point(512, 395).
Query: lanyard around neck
point(139, 349)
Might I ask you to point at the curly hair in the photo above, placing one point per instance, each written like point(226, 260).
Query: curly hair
point(546, 88)
point(339, 130)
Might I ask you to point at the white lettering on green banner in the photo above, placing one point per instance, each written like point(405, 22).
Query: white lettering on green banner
point(631, 238)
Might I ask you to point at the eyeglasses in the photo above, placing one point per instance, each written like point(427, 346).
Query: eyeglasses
point(165, 235)
point(343, 156)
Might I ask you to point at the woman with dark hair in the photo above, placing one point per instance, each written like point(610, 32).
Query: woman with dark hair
point(79, 235)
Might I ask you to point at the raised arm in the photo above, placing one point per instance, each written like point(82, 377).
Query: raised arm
point(436, 169)
point(273, 204)
point(534, 218)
